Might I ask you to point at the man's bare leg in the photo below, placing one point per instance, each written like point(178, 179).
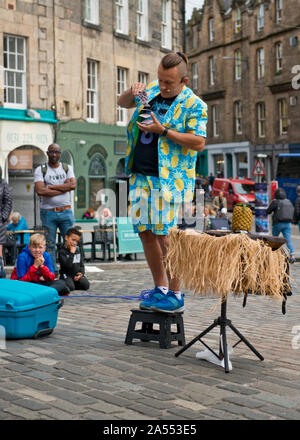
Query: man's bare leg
point(174, 283)
point(154, 256)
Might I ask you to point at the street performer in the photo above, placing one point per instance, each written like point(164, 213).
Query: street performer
point(161, 158)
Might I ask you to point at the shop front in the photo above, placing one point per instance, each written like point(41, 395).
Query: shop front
point(23, 145)
point(229, 160)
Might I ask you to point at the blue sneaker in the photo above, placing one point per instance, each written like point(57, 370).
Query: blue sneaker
point(169, 304)
point(151, 297)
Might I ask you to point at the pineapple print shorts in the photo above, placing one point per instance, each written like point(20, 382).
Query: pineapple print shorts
point(148, 209)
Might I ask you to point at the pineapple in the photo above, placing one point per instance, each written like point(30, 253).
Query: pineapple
point(184, 151)
point(170, 215)
point(165, 169)
point(179, 185)
point(191, 173)
point(165, 148)
point(167, 193)
point(184, 165)
point(241, 218)
point(174, 161)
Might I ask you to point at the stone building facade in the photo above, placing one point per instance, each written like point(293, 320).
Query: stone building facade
point(243, 62)
point(64, 62)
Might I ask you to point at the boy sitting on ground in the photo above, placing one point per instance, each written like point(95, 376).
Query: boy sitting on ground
point(34, 265)
point(71, 262)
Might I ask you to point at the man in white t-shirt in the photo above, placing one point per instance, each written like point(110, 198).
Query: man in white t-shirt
point(54, 183)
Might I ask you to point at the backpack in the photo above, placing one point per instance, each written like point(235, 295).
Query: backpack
point(220, 224)
point(44, 168)
point(285, 211)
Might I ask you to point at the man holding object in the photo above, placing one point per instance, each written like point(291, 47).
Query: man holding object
point(161, 158)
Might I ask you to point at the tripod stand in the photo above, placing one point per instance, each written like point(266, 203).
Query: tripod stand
point(222, 321)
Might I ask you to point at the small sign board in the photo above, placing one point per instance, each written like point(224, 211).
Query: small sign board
point(128, 241)
point(258, 169)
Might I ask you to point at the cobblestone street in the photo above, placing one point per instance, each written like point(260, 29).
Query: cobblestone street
point(84, 371)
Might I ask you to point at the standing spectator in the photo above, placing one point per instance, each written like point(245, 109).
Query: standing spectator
point(54, 182)
point(297, 208)
point(219, 202)
point(18, 223)
point(161, 158)
point(283, 214)
point(5, 209)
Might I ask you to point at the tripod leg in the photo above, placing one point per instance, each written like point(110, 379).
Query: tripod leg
point(246, 341)
point(196, 338)
point(224, 347)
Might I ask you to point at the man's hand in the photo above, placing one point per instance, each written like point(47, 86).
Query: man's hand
point(78, 276)
point(73, 249)
point(155, 127)
point(136, 88)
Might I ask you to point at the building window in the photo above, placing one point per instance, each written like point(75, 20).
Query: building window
point(261, 17)
point(142, 20)
point(92, 11)
point(92, 91)
point(97, 175)
point(143, 77)
point(121, 87)
point(283, 116)
point(215, 120)
point(166, 24)
point(195, 75)
point(237, 64)
point(14, 63)
point(122, 16)
point(211, 29)
point(238, 117)
point(211, 71)
point(260, 56)
point(238, 21)
point(278, 50)
point(261, 119)
point(278, 10)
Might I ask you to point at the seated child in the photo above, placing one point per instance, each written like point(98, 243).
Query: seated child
point(35, 266)
point(71, 264)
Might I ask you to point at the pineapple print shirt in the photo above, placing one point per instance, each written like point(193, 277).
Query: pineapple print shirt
point(176, 164)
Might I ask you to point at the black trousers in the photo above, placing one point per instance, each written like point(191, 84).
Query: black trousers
point(82, 284)
point(59, 285)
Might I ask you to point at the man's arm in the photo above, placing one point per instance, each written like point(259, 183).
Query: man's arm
point(126, 100)
point(69, 185)
point(42, 190)
point(188, 140)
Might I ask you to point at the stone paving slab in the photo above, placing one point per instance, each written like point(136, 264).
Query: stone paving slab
point(84, 371)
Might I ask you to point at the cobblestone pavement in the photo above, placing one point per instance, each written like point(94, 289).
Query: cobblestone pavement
point(84, 371)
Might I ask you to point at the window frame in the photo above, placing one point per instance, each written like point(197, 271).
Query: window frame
point(195, 76)
point(237, 64)
point(211, 62)
point(261, 119)
point(260, 63)
point(141, 79)
point(261, 17)
point(10, 73)
point(215, 120)
point(238, 117)
point(166, 24)
point(278, 56)
point(211, 29)
point(238, 21)
point(122, 25)
point(142, 20)
point(278, 11)
point(121, 84)
point(92, 91)
point(282, 103)
point(93, 7)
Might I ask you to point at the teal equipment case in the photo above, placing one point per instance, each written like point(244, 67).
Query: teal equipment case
point(27, 310)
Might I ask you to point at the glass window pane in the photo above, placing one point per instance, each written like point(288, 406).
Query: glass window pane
point(12, 44)
point(11, 61)
point(20, 60)
point(5, 44)
point(10, 79)
point(20, 45)
point(5, 60)
point(18, 77)
point(10, 95)
point(19, 96)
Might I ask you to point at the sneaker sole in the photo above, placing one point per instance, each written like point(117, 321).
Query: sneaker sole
point(181, 309)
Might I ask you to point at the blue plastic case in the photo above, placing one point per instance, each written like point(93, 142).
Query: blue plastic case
point(27, 310)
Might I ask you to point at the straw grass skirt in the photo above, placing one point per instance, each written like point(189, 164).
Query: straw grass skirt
point(219, 265)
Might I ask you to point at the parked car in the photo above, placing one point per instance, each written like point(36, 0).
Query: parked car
point(235, 191)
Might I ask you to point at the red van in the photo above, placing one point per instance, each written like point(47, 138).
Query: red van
point(235, 191)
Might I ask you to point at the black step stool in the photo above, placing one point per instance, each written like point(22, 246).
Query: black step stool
point(164, 335)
